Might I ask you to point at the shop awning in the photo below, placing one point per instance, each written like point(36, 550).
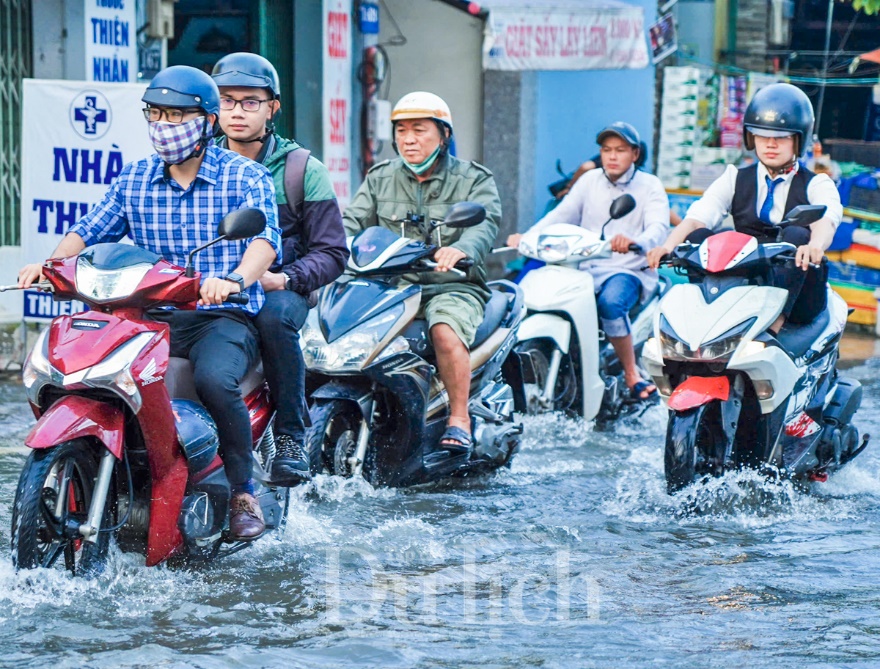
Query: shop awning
point(564, 35)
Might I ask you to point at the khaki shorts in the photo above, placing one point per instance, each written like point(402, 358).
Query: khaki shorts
point(460, 311)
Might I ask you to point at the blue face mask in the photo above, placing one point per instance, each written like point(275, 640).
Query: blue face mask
point(425, 165)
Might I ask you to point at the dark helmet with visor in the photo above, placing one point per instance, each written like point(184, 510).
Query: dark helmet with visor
point(183, 87)
point(779, 110)
point(247, 70)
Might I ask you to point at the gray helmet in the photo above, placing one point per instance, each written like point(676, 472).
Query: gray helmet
point(623, 130)
point(779, 110)
point(247, 70)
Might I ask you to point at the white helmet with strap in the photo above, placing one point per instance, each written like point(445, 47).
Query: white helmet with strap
point(420, 104)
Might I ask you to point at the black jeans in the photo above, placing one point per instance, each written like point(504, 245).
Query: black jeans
point(807, 296)
point(279, 323)
point(221, 344)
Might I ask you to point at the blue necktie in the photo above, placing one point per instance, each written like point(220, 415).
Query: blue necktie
point(768, 203)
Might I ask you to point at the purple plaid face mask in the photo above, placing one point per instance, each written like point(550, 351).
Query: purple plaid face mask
point(176, 142)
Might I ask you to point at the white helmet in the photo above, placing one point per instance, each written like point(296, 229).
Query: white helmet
point(420, 104)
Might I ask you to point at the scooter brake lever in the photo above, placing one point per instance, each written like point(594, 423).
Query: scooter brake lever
point(431, 264)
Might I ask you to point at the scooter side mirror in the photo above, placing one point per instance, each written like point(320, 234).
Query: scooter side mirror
point(242, 224)
point(622, 206)
point(239, 224)
point(804, 215)
point(464, 215)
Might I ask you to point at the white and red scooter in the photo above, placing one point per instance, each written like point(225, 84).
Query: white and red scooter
point(738, 395)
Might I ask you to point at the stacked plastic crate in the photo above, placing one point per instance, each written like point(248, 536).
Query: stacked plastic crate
point(679, 135)
point(854, 264)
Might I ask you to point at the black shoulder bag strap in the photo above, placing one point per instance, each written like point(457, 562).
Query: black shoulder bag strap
point(295, 180)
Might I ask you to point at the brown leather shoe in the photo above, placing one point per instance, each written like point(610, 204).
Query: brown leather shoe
point(245, 518)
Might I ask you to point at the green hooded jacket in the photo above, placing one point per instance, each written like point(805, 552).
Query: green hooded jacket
point(390, 191)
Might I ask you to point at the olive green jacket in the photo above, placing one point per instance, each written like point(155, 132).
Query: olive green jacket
point(390, 191)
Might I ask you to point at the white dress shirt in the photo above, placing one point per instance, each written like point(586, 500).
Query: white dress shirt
point(587, 205)
point(713, 207)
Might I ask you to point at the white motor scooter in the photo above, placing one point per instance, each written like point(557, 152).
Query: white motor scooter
point(573, 365)
point(740, 395)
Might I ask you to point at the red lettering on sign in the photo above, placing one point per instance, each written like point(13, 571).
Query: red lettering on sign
point(546, 38)
point(518, 41)
point(337, 32)
point(337, 121)
point(597, 41)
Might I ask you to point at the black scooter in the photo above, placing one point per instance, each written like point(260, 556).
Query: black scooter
point(378, 406)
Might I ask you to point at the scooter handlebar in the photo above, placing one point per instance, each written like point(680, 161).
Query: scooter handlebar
point(635, 248)
point(238, 298)
point(430, 264)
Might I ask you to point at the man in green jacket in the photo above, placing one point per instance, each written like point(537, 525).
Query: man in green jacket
point(312, 241)
point(425, 181)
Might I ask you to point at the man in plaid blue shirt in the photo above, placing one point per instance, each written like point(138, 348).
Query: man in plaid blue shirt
point(170, 204)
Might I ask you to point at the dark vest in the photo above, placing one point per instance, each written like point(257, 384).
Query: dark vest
point(744, 208)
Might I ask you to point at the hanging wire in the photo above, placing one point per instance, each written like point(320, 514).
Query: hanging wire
point(732, 70)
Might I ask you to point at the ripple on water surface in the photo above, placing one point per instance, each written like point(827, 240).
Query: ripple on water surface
point(574, 556)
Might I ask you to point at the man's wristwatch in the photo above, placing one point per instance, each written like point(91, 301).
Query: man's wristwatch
point(236, 278)
point(288, 282)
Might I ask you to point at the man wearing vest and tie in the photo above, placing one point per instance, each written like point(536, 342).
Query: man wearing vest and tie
point(778, 125)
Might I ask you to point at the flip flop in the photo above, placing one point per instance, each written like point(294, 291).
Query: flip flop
point(642, 386)
point(456, 439)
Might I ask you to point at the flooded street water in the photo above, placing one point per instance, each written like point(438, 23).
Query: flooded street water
point(575, 557)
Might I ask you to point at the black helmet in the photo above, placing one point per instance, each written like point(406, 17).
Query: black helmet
point(779, 110)
point(623, 130)
point(182, 86)
point(247, 70)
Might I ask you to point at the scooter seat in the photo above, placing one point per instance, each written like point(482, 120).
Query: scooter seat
point(180, 384)
point(496, 309)
point(797, 339)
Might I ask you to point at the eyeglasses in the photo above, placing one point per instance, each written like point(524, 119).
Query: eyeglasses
point(154, 114)
point(228, 104)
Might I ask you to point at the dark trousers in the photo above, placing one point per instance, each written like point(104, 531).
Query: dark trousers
point(279, 323)
point(807, 295)
point(221, 344)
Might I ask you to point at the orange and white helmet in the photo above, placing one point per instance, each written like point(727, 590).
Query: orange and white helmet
point(420, 104)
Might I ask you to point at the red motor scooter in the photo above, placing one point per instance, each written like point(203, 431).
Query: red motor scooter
point(122, 445)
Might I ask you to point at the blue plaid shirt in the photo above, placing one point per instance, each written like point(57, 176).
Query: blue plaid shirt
point(164, 218)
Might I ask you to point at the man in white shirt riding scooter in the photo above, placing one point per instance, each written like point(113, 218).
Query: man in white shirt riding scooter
point(620, 281)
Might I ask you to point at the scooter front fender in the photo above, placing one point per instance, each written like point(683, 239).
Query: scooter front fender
point(73, 417)
point(546, 326)
point(699, 390)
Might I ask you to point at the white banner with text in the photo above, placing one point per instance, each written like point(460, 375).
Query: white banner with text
point(76, 136)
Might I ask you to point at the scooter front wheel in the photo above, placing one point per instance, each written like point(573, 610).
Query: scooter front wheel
point(52, 500)
point(332, 439)
point(689, 437)
point(565, 389)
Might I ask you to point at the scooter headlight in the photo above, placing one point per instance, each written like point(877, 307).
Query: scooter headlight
point(104, 285)
point(351, 352)
point(114, 372)
point(37, 371)
point(555, 249)
point(721, 348)
point(671, 345)
point(717, 350)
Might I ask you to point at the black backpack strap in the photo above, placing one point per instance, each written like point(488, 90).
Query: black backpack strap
point(295, 178)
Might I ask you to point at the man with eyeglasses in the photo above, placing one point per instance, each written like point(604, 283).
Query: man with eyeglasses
point(171, 203)
point(619, 281)
point(313, 242)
